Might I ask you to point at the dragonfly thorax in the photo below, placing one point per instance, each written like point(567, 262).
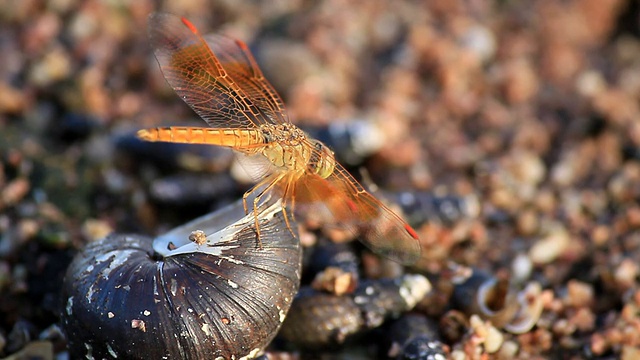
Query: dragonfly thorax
point(288, 147)
point(285, 134)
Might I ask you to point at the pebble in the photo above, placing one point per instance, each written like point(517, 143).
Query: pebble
point(12, 100)
point(626, 274)
point(481, 40)
point(548, 248)
point(521, 267)
point(590, 83)
point(508, 350)
point(487, 334)
point(95, 229)
point(630, 353)
point(583, 319)
point(14, 192)
point(579, 294)
point(54, 66)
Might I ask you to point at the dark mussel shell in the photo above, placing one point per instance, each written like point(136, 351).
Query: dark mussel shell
point(219, 299)
point(319, 320)
point(414, 336)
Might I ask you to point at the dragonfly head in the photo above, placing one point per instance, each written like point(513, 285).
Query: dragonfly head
point(322, 160)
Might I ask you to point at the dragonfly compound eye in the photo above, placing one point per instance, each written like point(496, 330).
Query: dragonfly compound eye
point(322, 161)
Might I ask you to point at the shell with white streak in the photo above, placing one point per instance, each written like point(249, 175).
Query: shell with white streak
point(224, 297)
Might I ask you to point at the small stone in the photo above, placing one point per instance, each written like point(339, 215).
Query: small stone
point(521, 267)
point(27, 229)
point(579, 294)
point(630, 353)
point(12, 100)
point(481, 41)
point(493, 340)
point(600, 235)
point(590, 83)
point(598, 344)
point(14, 191)
point(527, 222)
point(199, 237)
point(562, 327)
point(550, 247)
point(584, 319)
point(626, 273)
point(335, 280)
point(55, 66)
point(95, 229)
point(508, 350)
point(521, 81)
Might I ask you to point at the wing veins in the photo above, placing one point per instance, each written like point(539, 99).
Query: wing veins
point(176, 47)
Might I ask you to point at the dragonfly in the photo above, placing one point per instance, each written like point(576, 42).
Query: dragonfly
point(219, 78)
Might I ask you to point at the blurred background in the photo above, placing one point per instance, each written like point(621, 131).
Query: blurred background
point(523, 114)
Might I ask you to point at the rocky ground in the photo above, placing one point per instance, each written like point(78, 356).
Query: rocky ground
point(526, 111)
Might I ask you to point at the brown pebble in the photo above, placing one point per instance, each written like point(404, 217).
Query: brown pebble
point(94, 229)
point(600, 235)
point(28, 228)
point(521, 81)
point(334, 280)
point(12, 100)
point(14, 191)
point(548, 248)
point(626, 274)
point(579, 294)
point(198, 237)
point(584, 319)
point(630, 353)
point(598, 344)
point(633, 216)
point(527, 222)
point(54, 66)
point(563, 327)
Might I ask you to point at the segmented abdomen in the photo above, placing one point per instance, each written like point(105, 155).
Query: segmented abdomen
point(236, 138)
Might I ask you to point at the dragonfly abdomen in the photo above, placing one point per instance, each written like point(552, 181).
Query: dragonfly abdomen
point(236, 138)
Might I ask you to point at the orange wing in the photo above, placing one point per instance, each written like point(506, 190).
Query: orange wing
point(237, 60)
point(354, 209)
point(217, 77)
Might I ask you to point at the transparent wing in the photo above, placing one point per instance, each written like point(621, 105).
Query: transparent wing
point(237, 60)
point(256, 166)
point(356, 210)
point(227, 92)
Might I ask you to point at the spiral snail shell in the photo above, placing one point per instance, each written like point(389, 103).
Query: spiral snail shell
point(517, 311)
point(216, 296)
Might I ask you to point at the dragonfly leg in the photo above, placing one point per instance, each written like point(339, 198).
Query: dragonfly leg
point(244, 204)
point(286, 220)
point(293, 206)
point(244, 201)
point(289, 210)
point(266, 181)
point(260, 199)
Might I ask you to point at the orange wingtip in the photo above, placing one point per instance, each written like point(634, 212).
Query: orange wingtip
point(242, 44)
point(352, 206)
point(189, 25)
point(411, 232)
